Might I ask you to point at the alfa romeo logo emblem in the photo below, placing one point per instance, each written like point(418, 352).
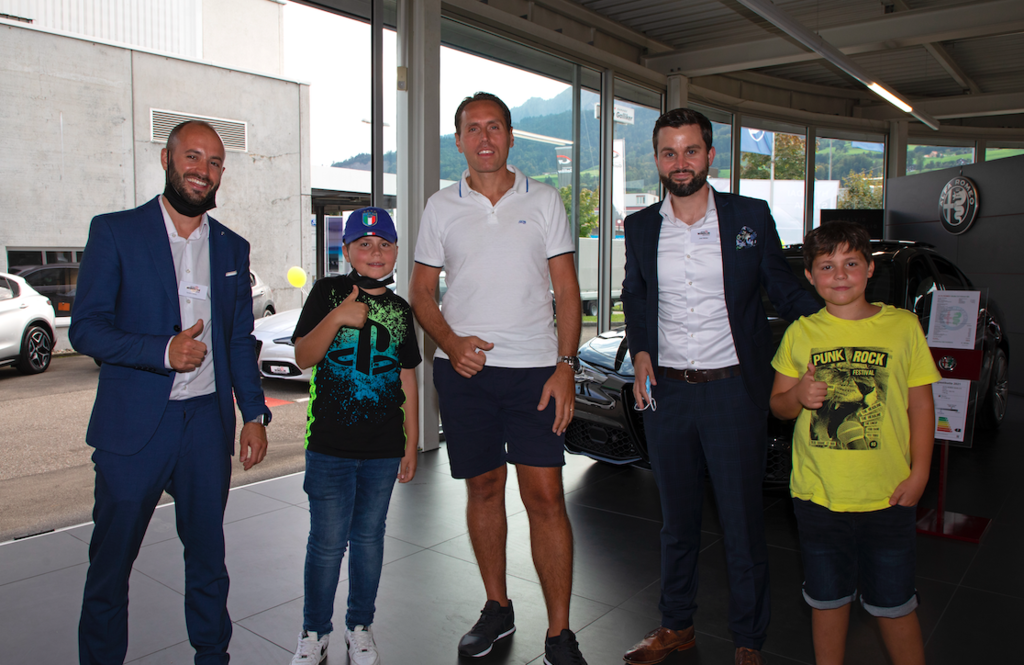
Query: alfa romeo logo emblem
point(958, 205)
point(947, 363)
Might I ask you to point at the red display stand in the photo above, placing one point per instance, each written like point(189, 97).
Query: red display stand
point(945, 524)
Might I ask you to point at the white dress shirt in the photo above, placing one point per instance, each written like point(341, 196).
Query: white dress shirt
point(192, 276)
point(693, 323)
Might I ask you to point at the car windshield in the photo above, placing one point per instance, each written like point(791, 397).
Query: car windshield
point(880, 286)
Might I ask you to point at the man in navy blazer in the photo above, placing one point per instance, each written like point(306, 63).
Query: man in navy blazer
point(164, 302)
point(697, 330)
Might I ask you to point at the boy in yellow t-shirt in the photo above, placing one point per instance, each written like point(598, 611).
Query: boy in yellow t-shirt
point(857, 377)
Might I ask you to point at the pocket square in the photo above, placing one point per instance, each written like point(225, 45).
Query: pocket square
point(231, 274)
point(747, 237)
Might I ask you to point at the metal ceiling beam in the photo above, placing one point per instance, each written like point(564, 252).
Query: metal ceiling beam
point(945, 60)
point(485, 16)
point(901, 29)
point(814, 42)
point(963, 106)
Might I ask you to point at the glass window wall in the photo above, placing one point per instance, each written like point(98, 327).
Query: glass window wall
point(993, 153)
point(772, 168)
point(924, 158)
point(848, 172)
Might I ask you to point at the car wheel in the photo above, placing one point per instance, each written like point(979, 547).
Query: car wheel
point(269, 311)
point(590, 307)
point(36, 350)
point(994, 408)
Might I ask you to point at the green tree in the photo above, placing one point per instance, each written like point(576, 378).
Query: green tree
point(589, 202)
point(861, 193)
point(789, 160)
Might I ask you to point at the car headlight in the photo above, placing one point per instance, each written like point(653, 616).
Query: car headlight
point(287, 341)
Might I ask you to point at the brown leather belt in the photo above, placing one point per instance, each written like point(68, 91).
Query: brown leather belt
point(699, 375)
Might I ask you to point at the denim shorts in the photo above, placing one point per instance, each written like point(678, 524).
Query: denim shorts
point(496, 408)
point(874, 551)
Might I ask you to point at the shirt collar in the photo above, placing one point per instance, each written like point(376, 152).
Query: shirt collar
point(667, 214)
point(202, 232)
point(520, 186)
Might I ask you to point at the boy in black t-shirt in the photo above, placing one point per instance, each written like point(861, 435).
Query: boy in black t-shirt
point(361, 431)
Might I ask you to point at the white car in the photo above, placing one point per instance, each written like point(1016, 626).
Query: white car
point(274, 346)
point(26, 326)
point(262, 297)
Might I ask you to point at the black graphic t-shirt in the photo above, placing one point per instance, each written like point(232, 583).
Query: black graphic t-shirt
point(355, 393)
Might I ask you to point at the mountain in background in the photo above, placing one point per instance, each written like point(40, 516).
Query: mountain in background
point(553, 117)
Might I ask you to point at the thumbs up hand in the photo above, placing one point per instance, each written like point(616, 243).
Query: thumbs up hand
point(810, 393)
point(350, 313)
point(186, 353)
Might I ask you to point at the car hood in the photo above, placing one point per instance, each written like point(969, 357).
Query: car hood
point(277, 325)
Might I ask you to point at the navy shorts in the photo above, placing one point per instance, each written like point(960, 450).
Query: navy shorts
point(873, 550)
point(495, 408)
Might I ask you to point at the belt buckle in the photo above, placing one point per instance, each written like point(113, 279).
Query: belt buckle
point(692, 376)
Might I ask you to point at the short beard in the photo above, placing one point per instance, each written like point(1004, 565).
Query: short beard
point(177, 181)
point(684, 189)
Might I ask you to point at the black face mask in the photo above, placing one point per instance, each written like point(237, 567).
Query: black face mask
point(364, 282)
point(183, 205)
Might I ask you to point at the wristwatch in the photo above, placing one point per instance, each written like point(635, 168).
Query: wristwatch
point(262, 419)
point(571, 361)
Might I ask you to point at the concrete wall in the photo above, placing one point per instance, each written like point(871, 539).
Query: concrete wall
point(75, 117)
point(245, 34)
point(989, 252)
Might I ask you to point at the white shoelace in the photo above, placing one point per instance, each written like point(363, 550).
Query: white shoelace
point(360, 639)
point(308, 647)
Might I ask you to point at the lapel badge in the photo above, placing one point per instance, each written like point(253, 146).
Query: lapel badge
point(747, 237)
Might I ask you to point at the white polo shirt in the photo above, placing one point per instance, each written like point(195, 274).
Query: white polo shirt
point(496, 263)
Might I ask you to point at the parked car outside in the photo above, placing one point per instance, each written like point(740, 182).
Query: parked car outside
point(56, 281)
point(26, 326)
point(607, 428)
point(274, 348)
point(262, 297)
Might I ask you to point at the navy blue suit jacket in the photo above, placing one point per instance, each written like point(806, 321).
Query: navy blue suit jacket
point(126, 311)
point(758, 263)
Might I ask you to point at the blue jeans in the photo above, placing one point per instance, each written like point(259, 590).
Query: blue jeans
point(348, 501)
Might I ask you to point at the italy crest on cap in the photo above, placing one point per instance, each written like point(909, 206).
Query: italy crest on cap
point(369, 218)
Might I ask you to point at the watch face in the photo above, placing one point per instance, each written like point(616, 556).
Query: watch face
point(571, 361)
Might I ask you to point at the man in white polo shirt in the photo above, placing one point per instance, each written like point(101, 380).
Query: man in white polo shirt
point(503, 374)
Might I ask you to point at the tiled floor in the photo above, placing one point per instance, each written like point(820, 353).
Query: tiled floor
point(431, 593)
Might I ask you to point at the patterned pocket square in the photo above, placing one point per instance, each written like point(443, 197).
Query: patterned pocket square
point(747, 237)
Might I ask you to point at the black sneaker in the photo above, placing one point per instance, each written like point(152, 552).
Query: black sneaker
point(495, 623)
point(563, 650)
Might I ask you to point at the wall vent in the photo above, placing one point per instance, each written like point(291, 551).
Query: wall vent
point(234, 133)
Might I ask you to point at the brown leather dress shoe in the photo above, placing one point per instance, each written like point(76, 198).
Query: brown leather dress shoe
point(745, 656)
point(658, 644)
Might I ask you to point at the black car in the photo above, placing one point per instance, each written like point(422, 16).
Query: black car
point(56, 281)
point(607, 428)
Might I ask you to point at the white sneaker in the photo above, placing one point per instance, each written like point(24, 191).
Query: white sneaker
point(312, 649)
point(361, 649)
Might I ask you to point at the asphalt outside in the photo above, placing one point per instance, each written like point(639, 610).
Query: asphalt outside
point(46, 471)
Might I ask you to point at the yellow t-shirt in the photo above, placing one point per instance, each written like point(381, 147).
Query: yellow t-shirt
point(850, 454)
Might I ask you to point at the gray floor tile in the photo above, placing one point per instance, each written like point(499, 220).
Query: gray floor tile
point(246, 647)
point(23, 559)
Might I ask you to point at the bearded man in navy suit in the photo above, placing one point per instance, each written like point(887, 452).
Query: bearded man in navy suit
point(696, 329)
point(164, 302)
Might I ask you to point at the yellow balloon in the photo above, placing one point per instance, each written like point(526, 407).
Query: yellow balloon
point(297, 277)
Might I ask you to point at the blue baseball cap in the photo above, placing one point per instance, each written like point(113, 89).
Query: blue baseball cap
point(369, 222)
